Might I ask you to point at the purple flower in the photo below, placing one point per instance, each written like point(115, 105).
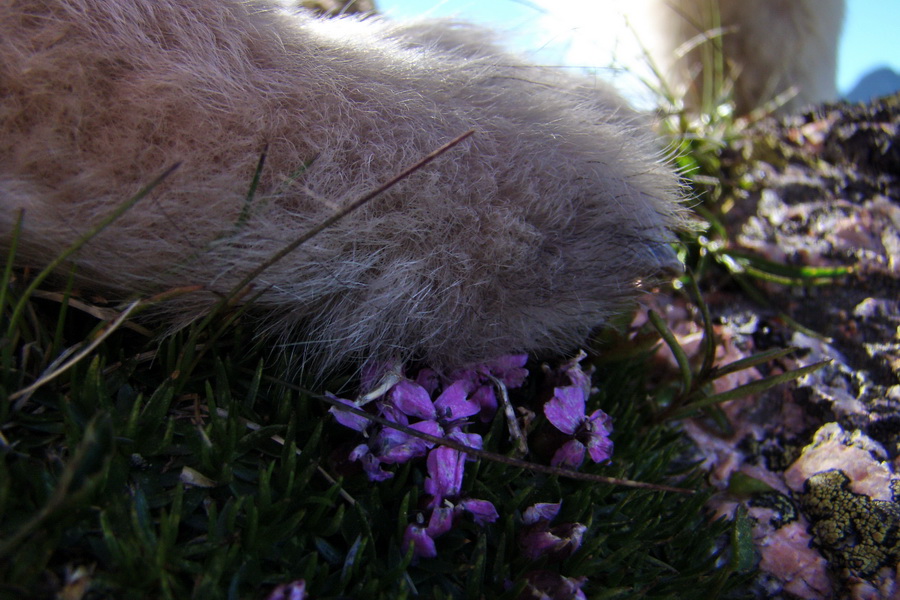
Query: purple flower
point(370, 464)
point(542, 511)
point(569, 456)
point(396, 447)
point(482, 511)
point(429, 380)
point(373, 372)
point(444, 481)
point(454, 403)
point(539, 539)
point(547, 585)
point(295, 590)
point(387, 445)
point(486, 398)
point(441, 521)
point(445, 470)
point(470, 440)
point(566, 409)
point(446, 465)
point(401, 401)
point(413, 400)
point(508, 369)
point(559, 542)
point(420, 540)
point(442, 418)
point(445, 473)
point(345, 417)
point(566, 412)
point(576, 375)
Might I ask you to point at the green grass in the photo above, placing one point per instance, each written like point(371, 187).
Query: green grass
point(175, 468)
point(139, 466)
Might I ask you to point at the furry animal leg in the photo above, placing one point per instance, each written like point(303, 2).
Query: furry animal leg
point(523, 238)
point(768, 47)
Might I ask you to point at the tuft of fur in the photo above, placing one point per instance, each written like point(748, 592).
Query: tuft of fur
point(769, 47)
point(522, 238)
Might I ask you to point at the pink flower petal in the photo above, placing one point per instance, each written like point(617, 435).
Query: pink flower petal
point(550, 585)
point(370, 464)
point(295, 590)
point(445, 470)
point(413, 400)
point(422, 543)
point(566, 409)
point(373, 374)
point(453, 403)
point(580, 379)
point(429, 427)
point(600, 448)
point(428, 379)
point(538, 542)
point(345, 417)
point(441, 521)
point(472, 440)
point(482, 511)
point(487, 400)
point(569, 456)
point(601, 422)
point(510, 369)
point(542, 511)
point(393, 447)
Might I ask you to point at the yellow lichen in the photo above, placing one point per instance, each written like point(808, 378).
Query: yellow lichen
point(855, 532)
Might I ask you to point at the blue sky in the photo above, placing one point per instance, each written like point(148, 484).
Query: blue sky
point(870, 38)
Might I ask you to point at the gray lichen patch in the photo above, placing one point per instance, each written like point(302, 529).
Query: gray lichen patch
point(855, 532)
point(819, 190)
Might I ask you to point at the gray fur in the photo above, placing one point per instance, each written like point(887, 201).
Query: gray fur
point(522, 238)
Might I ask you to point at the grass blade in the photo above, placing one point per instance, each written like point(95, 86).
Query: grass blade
point(747, 389)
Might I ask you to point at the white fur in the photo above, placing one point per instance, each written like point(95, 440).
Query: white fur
point(522, 238)
point(769, 47)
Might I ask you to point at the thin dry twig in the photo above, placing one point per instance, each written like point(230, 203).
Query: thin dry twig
point(101, 313)
point(243, 286)
point(54, 371)
point(343, 212)
point(491, 456)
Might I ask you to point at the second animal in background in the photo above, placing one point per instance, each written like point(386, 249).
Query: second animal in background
point(778, 54)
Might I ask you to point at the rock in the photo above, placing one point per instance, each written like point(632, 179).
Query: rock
point(822, 190)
